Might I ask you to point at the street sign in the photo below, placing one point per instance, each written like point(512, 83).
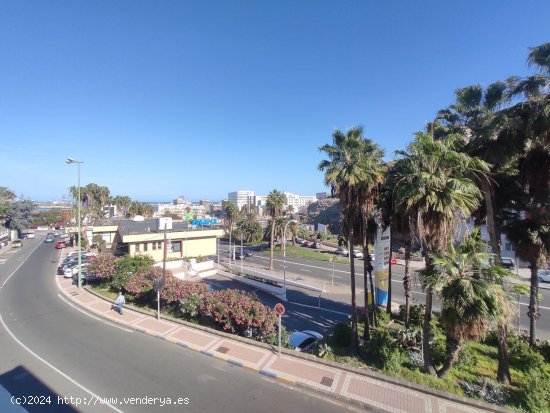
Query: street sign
point(279, 309)
point(158, 283)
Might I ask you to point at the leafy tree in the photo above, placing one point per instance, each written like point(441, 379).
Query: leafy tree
point(19, 215)
point(250, 229)
point(232, 215)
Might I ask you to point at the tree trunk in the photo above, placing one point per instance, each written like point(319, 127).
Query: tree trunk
point(354, 347)
point(533, 304)
point(490, 218)
point(373, 294)
point(388, 305)
point(272, 246)
point(453, 350)
point(426, 350)
point(366, 332)
point(503, 373)
point(407, 281)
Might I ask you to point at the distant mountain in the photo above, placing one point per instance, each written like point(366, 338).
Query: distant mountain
point(325, 211)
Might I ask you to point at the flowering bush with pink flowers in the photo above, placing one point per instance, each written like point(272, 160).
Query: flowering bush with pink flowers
point(239, 312)
point(103, 266)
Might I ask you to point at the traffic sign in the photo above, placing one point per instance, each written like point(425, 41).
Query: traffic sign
point(279, 309)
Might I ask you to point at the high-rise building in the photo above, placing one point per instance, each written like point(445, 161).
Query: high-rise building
point(321, 195)
point(298, 203)
point(241, 198)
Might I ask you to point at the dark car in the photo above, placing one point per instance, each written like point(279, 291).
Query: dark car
point(248, 253)
point(239, 256)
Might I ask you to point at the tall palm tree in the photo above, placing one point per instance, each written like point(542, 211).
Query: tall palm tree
point(467, 281)
point(344, 174)
point(274, 205)
point(438, 189)
point(231, 216)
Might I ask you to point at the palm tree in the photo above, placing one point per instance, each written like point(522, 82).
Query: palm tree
point(344, 174)
point(274, 207)
point(468, 282)
point(296, 231)
point(438, 190)
point(231, 216)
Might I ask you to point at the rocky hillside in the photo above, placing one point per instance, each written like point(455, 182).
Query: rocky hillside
point(327, 212)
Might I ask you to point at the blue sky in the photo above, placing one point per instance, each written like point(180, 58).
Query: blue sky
point(200, 98)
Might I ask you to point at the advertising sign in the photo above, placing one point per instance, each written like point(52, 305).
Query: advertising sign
point(382, 255)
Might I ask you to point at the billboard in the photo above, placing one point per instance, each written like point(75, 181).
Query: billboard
point(382, 255)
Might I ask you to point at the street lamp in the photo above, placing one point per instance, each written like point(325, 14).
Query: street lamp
point(284, 255)
point(79, 282)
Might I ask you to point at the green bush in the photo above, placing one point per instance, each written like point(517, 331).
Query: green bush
point(382, 317)
point(385, 351)
point(544, 349)
point(438, 342)
point(536, 395)
point(522, 356)
point(467, 357)
point(416, 314)
point(341, 336)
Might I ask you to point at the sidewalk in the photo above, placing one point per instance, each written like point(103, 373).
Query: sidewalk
point(367, 389)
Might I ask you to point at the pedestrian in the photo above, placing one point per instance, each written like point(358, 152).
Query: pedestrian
point(120, 302)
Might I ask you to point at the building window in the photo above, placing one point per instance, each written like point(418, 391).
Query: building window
point(508, 246)
point(159, 245)
point(154, 245)
point(137, 247)
point(176, 246)
point(145, 246)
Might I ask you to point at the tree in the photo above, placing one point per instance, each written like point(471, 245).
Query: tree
point(231, 216)
point(19, 215)
point(438, 190)
point(250, 229)
point(296, 231)
point(344, 174)
point(469, 285)
point(274, 207)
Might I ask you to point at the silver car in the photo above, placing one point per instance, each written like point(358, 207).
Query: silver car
point(304, 340)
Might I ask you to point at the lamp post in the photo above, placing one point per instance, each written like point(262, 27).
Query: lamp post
point(284, 256)
point(79, 282)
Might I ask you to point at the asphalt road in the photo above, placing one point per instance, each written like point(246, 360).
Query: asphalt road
point(49, 348)
point(338, 298)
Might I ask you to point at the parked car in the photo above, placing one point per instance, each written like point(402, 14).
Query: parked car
point(85, 277)
point(17, 243)
point(73, 270)
point(239, 256)
point(29, 235)
point(393, 261)
point(357, 254)
point(307, 244)
point(64, 235)
point(304, 340)
point(508, 262)
point(544, 276)
point(342, 251)
point(248, 253)
point(60, 244)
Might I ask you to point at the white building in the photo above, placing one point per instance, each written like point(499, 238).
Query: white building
point(241, 198)
point(298, 203)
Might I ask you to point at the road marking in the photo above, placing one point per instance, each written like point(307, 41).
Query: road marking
point(317, 308)
point(93, 316)
point(3, 261)
point(55, 368)
point(40, 358)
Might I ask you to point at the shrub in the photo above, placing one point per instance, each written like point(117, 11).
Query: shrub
point(536, 395)
point(141, 284)
point(239, 312)
point(438, 342)
point(522, 356)
point(544, 349)
point(409, 338)
point(341, 336)
point(385, 351)
point(103, 266)
point(273, 337)
point(416, 314)
point(176, 290)
point(382, 317)
point(487, 390)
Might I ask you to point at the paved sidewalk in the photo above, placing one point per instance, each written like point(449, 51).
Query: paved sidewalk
point(370, 390)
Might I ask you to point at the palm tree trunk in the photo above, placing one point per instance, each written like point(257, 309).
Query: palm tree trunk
point(503, 372)
point(453, 349)
point(366, 332)
point(271, 247)
point(426, 350)
point(388, 304)
point(354, 347)
point(533, 304)
point(491, 228)
point(407, 281)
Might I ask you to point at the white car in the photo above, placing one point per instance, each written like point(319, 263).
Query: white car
point(357, 254)
point(304, 340)
point(71, 271)
point(342, 251)
point(544, 276)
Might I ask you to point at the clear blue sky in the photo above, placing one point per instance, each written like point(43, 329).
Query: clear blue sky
point(200, 98)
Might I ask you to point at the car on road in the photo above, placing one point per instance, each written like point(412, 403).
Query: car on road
point(308, 244)
point(29, 235)
point(342, 251)
point(239, 256)
point(49, 238)
point(60, 244)
point(357, 254)
point(304, 340)
point(248, 253)
point(17, 243)
point(544, 276)
point(508, 263)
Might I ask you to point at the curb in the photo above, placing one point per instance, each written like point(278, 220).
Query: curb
point(287, 379)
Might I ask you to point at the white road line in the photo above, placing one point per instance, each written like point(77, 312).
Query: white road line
point(93, 316)
point(40, 358)
point(55, 368)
